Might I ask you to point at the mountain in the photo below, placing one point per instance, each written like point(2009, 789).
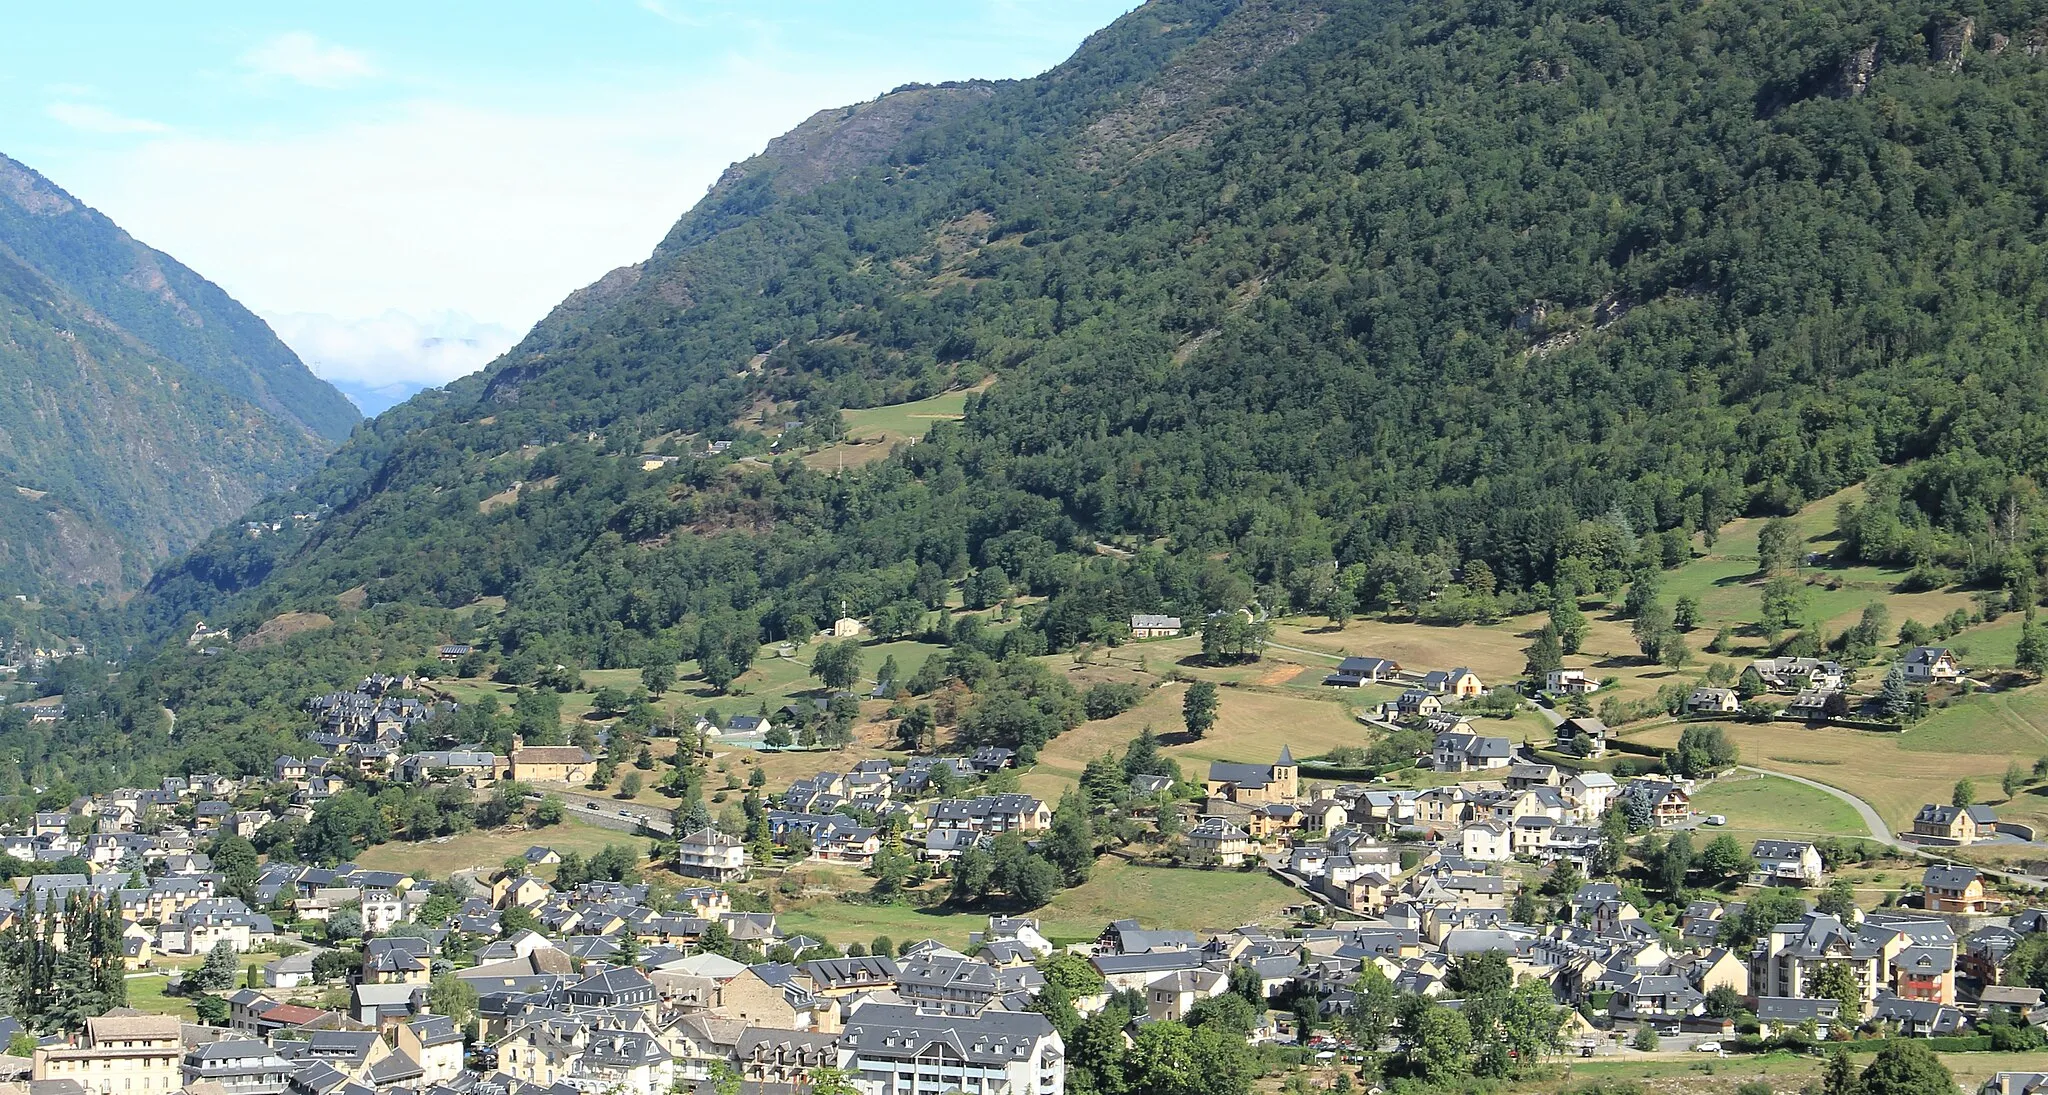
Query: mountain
point(143, 406)
point(1313, 302)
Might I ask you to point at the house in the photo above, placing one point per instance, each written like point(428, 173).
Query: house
point(1569, 682)
point(436, 1043)
point(846, 627)
point(1787, 862)
point(708, 853)
point(1818, 705)
point(1713, 701)
point(1457, 684)
point(1777, 1014)
point(454, 652)
point(241, 1066)
point(900, 1049)
point(1418, 703)
point(1665, 802)
point(550, 763)
point(1582, 737)
point(1470, 753)
point(1946, 888)
point(1799, 674)
point(1256, 784)
point(1787, 960)
point(117, 1055)
point(1147, 626)
point(1218, 837)
point(1590, 793)
point(1932, 665)
point(1487, 841)
point(1938, 823)
point(1356, 672)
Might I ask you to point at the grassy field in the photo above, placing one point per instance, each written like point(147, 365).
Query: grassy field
point(1157, 897)
point(1765, 806)
point(872, 431)
point(1893, 772)
point(478, 848)
point(146, 993)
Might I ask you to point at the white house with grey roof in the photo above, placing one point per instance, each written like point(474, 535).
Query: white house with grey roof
point(900, 1049)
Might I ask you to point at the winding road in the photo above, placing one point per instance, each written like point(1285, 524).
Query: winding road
point(1871, 819)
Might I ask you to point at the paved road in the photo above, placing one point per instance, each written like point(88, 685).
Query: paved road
point(607, 813)
point(1871, 820)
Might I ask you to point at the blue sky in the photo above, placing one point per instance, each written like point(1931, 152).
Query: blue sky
point(373, 177)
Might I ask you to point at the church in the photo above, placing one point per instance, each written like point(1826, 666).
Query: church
point(1256, 784)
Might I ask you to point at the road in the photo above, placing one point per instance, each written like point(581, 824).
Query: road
point(607, 814)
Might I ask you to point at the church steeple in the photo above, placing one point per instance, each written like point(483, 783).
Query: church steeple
point(1286, 758)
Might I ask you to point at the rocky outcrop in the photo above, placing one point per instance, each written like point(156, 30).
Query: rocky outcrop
point(1178, 107)
point(1852, 79)
point(1952, 45)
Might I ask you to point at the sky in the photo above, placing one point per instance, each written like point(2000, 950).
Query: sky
point(403, 189)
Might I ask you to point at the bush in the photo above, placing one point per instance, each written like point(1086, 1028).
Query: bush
point(1106, 701)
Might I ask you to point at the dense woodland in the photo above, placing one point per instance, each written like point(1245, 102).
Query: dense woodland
point(1517, 290)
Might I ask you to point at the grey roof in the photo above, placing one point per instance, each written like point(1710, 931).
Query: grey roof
point(881, 1031)
point(1946, 876)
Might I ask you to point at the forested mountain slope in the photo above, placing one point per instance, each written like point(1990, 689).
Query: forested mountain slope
point(142, 407)
point(1298, 293)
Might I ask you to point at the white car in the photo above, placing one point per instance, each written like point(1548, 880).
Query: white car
point(1717, 819)
point(1708, 1047)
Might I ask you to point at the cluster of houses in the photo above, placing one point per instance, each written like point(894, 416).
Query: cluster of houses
point(367, 727)
point(817, 812)
point(24, 660)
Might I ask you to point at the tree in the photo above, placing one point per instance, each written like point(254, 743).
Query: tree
point(1440, 1050)
point(1543, 656)
point(1905, 1066)
point(1685, 614)
point(629, 785)
point(1703, 751)
point(2015, 778)
point(1198, 708)
point(1777, 546)
point(1570, 625)
point(1070, 843)
point(837, 665)
point(345, 924)
point(1750, 684)
point(1375, 1004)
point(2031, 655)
point(1893, 696)
point(658, 677)
point(1724, 860)
point(1838, 1076)
point(1784, 604)
point(456, 998)
point(1723, 1002)
point(1645, 1039)
point(1838, 900)
point(1836, 981)
point(210, 1010)
point(219, 970)
point(1964, 794)
point(1674, 863)
point(1674, 652)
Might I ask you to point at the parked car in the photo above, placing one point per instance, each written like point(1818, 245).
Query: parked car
point(1708, 1047)
point(1717, 819)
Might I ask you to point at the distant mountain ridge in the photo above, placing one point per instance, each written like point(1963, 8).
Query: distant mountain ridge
point(143, 406)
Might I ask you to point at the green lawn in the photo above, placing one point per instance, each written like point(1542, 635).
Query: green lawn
point(1158, 897)
point(478, 848)
point(1766, 806)
point(905, 419)
point(146, 993)
point(2013, 723)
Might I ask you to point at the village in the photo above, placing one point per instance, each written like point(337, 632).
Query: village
point(319, 980)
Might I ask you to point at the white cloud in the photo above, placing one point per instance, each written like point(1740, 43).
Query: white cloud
point(392, 348)
point(301, 57)
point(435, 206)
point(98, 119)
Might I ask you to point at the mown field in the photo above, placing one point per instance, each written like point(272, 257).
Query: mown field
point(487, 849)
point(1157, 897)
point(1765, 806)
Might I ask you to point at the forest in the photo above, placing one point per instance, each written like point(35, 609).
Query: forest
point(1435, 291)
